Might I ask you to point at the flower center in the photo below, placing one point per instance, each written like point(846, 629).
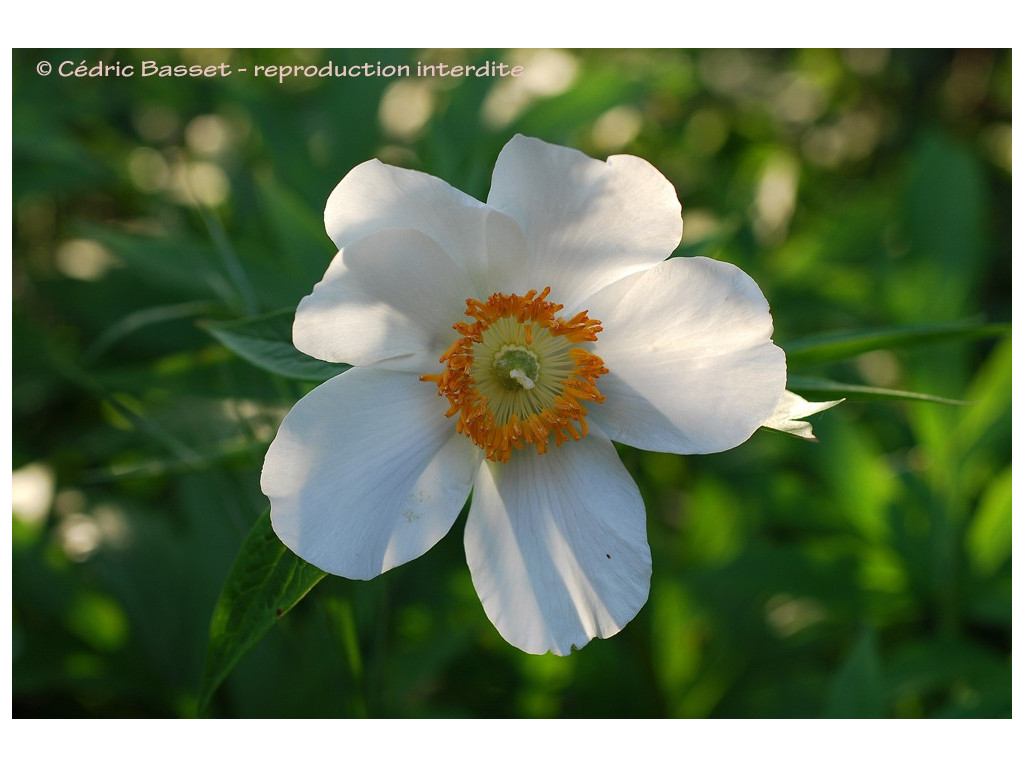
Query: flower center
point(515, 376)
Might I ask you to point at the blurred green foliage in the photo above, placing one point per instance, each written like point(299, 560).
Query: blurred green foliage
point(865, 576)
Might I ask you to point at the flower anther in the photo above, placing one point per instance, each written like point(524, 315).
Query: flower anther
point(516, 376)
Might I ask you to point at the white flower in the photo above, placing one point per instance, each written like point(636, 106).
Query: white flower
point(551, 324)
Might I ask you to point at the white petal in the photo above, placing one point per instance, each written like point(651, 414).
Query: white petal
point(587, 223)
point(388, 300)
point(790, 409)
point(366, 473)
point(557, 545)
point(692, 368)
point(374, 196)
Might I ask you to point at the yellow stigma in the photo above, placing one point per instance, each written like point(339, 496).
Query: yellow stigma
point(514, 376)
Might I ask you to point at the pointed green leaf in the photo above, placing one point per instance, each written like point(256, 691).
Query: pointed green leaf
point(266, 342)
point(144, 318)
point(991, 392)
point(297, 226)
point(945, 210)
point(857, 688)
point(990, 532)
point(822, 388)
point(823, 349)
point(265, 582)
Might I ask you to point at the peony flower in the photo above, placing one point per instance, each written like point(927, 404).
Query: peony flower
point(501, 347)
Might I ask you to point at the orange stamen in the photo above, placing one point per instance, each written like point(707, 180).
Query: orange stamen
point(563, 417)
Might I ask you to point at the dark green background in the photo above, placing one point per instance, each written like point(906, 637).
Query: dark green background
point(868, 575)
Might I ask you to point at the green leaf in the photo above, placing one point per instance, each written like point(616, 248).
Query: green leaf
point(948, 223)
point(144, 318)
point(990, 532)
point(991, 392)
point(266, 581)
point(297, 227)
point(824, 349)
point(857, 689)
point(180, 266)
point(266, 342)
point(822, 388)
